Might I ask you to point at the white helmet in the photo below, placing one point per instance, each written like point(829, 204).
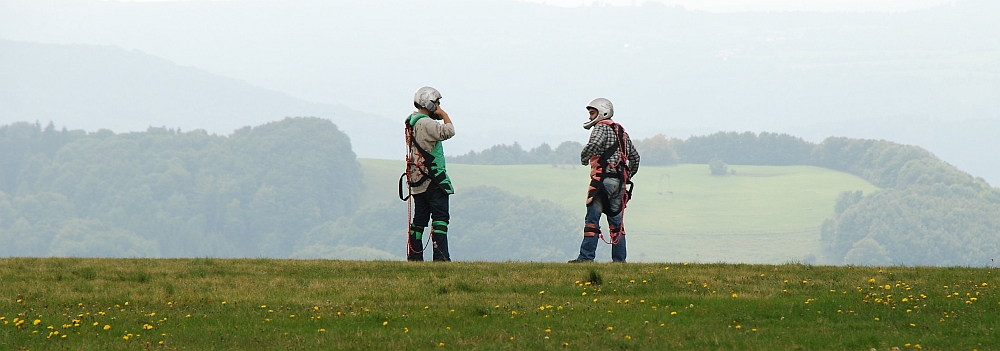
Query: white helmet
point(426, 98)
point(605, 110)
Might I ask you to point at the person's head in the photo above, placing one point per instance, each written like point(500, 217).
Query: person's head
point(599, 109)
point(427, 100)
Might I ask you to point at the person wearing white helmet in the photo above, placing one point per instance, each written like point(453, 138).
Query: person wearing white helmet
point(426, 174)
point(613, 161)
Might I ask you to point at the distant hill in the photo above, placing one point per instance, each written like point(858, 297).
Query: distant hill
point(94, 87)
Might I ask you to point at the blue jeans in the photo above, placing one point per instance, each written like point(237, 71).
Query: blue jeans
point(588, 248)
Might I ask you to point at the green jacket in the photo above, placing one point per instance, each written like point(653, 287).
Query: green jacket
point(429, 134)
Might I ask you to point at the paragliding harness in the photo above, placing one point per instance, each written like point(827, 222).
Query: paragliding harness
point(597, 192)
point(418, 172)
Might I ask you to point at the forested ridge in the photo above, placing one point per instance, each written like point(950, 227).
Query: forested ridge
point(293, 188)
point(290, 188)
point(927, 213)
point(167, 193)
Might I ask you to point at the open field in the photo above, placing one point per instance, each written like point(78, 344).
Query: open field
point(215, 304)
point(763, 214)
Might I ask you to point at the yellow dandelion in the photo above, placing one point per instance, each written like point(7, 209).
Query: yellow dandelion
point(315, 308)
point(321, 330)
point(548, 330)
point(36, 322)
point(673, 313)
point(440, 344)
point(627, 337)
point(610, 328)
point(107, 327)
point(876, 319)
point(565, 344)
point(541, 292)
point(385, 323)
point(735, 296)
point(161, 342)
point(663, 324)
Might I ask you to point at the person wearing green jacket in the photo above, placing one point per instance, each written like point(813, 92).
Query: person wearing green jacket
point(427, 174)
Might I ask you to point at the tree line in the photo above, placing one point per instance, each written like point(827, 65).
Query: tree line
point(290, 188)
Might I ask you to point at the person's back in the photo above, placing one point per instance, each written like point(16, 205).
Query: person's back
point(613, 161)
point(429, 184)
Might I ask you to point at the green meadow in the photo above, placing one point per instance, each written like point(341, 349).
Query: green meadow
point(761, 214)
point(240, 304)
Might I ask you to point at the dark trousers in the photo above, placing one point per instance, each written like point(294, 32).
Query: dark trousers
point(431, 203)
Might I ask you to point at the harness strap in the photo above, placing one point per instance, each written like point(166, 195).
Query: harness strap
point(429, 158)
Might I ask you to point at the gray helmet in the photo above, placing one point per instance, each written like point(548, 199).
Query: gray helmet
point(605, 110)
point(427, 98)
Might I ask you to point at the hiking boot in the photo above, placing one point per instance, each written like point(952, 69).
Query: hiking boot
point(580, 260)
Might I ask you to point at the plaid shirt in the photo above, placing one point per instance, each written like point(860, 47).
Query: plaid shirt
point(602, 137)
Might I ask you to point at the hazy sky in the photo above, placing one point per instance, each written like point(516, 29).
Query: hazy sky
point(744, 5)
point(502, 64)
point(767, 5)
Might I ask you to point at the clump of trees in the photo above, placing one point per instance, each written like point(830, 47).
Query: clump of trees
point(928, 213)
point(167, 193)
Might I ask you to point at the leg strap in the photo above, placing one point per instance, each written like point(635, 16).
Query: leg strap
point(416, 231)
point(591, 230)
point(440, 227)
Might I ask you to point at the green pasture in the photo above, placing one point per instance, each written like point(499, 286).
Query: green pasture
point(761, 214)
point(241, 304)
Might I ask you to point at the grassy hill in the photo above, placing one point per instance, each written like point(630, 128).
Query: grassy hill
point(216, 304)
point(763, 214)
